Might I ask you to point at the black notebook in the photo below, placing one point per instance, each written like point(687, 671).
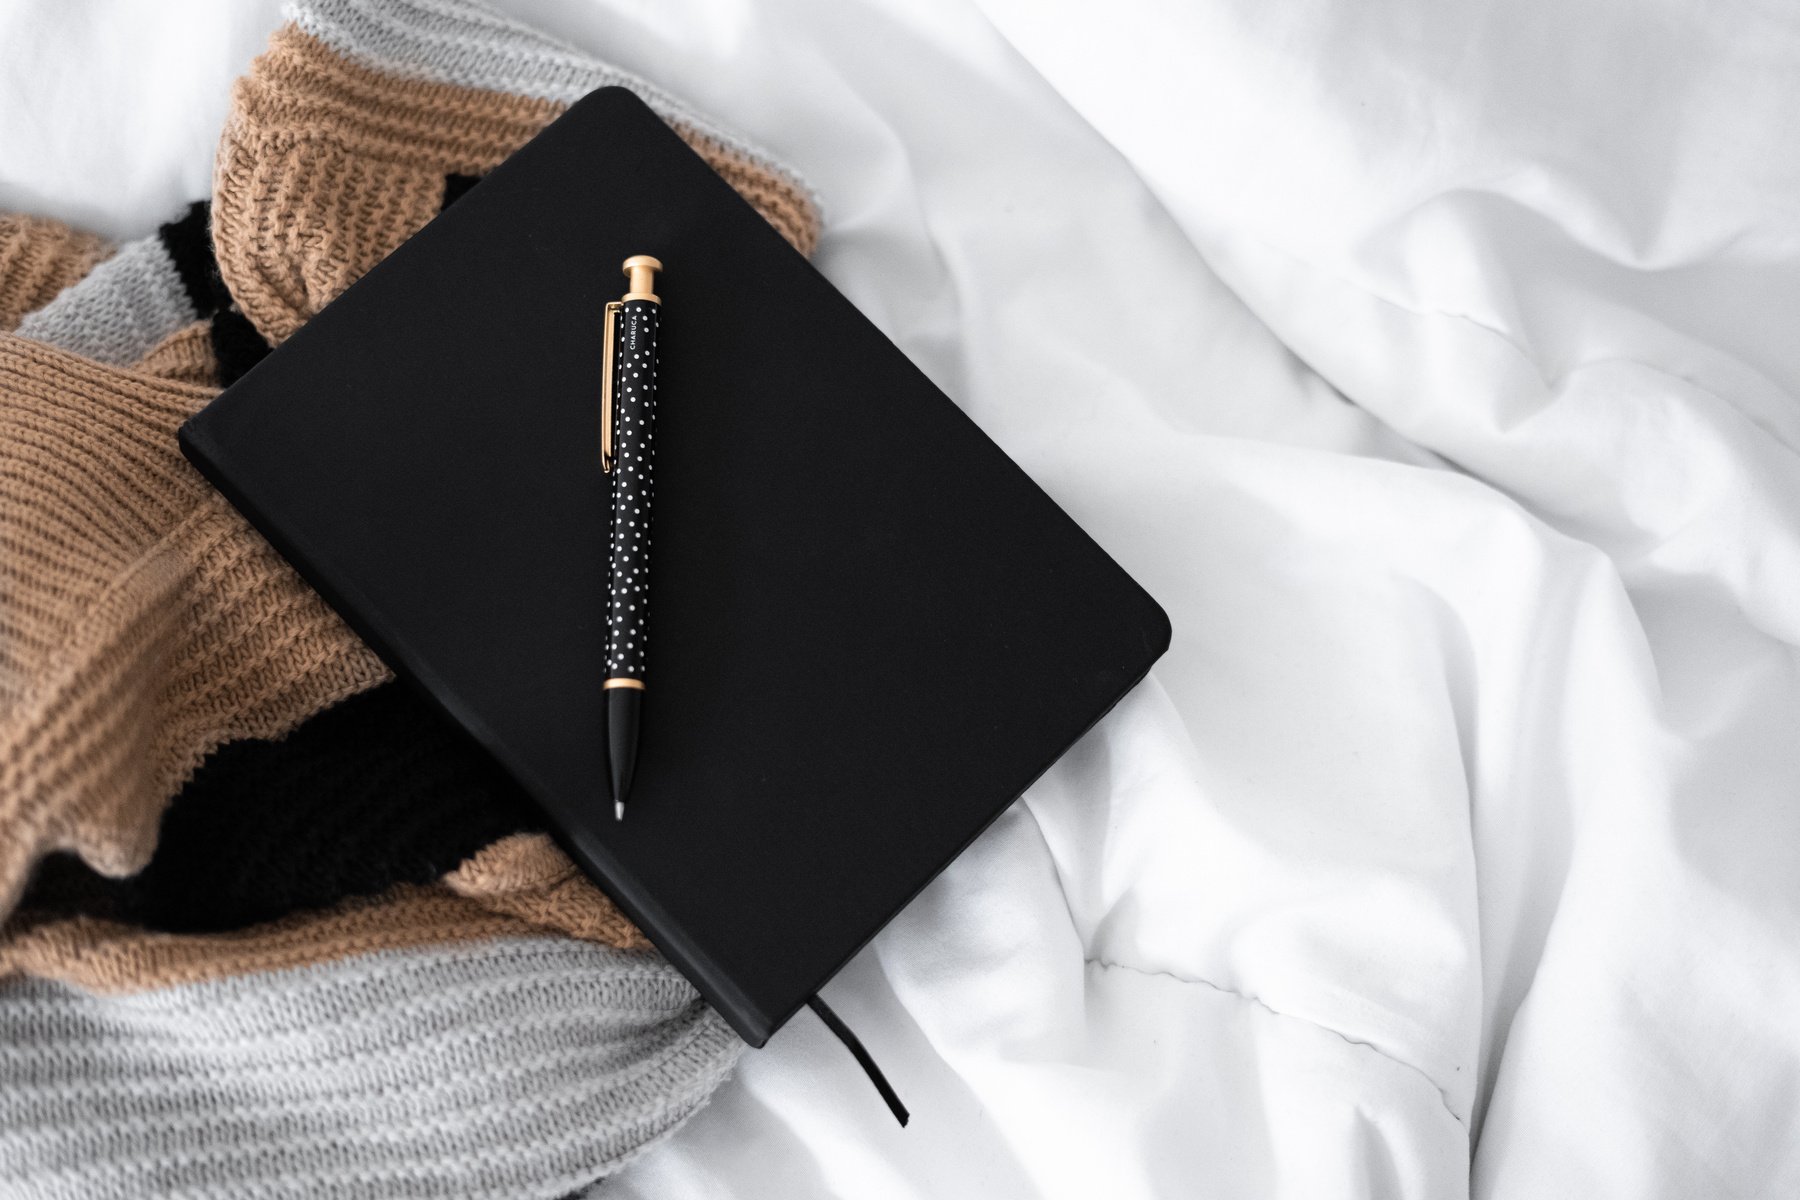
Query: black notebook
point(870, 630)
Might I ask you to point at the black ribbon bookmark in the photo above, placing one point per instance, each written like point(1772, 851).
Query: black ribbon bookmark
point(862, 1057)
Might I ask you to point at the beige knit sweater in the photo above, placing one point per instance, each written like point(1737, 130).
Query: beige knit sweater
point(142, 623)
point(39, 258)
point(519, 885)
point(327, 165)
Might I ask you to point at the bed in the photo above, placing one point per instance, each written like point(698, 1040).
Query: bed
point(1446, 402)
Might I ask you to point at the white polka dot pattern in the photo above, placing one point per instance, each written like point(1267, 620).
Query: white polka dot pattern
point(633, 479)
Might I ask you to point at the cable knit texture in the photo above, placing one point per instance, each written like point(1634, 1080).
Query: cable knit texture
point(39, 258)
point(142, 622)
point(327, 163)
point(519, 1068)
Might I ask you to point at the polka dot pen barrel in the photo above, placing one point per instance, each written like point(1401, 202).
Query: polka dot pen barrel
point(627, 445)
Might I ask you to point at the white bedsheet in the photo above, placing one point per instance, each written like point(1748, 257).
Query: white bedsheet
point(1432, 363)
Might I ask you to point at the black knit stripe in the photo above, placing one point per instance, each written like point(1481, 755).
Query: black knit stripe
point(188, 242)
point(375, 791)
point(456, 187)
point(236, 344)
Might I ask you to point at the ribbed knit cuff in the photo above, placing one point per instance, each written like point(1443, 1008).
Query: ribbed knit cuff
point(513, 1068)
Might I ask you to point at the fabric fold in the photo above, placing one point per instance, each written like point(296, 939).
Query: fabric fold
point(521, 1067)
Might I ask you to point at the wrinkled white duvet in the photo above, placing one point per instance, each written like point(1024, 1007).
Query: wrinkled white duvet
point(1435, 364)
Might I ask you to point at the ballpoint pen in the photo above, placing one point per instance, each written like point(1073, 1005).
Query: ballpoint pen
point(627, 429)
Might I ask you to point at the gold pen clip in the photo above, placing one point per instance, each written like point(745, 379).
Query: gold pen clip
point(606, 384)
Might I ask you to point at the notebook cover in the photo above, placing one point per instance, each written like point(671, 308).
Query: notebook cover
point(870, 630)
